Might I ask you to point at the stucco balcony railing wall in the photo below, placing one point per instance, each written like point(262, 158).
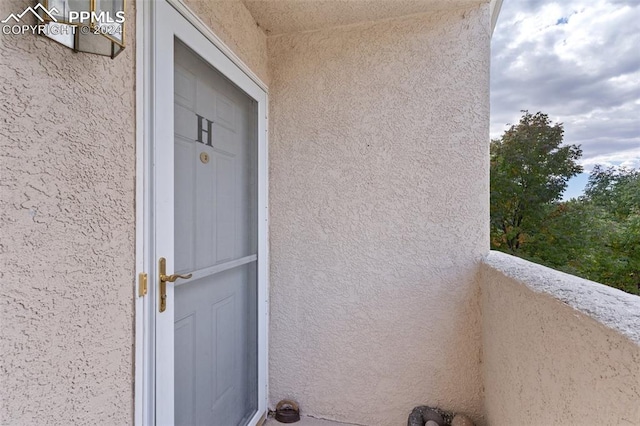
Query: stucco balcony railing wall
point(557, 349)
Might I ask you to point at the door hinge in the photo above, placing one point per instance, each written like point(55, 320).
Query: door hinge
point(142, 284)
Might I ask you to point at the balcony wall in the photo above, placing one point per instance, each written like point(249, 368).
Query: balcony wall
point(557, 349)
point(377, 131)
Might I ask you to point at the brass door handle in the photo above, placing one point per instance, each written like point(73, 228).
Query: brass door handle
point(164, 279)
point(174, 277)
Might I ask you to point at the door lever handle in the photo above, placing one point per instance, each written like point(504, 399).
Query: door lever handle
point(164, 279)
point(174, 277)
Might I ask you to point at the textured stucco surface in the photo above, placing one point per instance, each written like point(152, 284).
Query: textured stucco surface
point(67, 217)
point(378, 131)
point(289, 16)
point(558, 350)
point(379, 215)
point(67, 203)
point(231, 21)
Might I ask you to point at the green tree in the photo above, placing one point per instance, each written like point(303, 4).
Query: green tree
point(617, 190)
point(529, 171)
point(596, 236)
point(614, 258)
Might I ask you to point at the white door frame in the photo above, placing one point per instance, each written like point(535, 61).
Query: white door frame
point(146, 259)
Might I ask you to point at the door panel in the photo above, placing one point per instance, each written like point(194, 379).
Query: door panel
point(215, 224)
point(215, 354)
point(184, 201)
point(217, 200)
point(208, 218)
point(185, 370)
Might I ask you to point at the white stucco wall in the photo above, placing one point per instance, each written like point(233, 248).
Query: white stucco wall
point(67, 203)
point(379, 214)
point(558, 350)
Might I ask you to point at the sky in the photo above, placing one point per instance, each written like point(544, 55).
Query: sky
point(577, 61)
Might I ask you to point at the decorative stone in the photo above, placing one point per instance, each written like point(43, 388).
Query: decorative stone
point(461, 420)
point(431, 423)
point(422, 415)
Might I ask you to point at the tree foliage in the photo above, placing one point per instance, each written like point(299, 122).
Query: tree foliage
point(614, 198)
point(615, 190)
point(529, 170)
point(596, 236)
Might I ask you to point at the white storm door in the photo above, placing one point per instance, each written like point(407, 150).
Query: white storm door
point(209, 209)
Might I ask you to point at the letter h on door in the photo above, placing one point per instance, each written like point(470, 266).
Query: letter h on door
point(201, 130)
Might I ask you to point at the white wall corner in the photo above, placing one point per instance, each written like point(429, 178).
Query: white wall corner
point(495, 7)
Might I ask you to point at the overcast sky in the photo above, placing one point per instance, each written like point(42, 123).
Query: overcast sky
point(577, 61)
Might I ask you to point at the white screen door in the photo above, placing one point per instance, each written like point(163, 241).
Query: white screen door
point(209, 208)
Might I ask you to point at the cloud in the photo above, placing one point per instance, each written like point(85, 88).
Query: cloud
point(577, 61)
point(629, 159)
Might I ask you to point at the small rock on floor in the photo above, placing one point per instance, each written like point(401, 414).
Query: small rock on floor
point(431, 423)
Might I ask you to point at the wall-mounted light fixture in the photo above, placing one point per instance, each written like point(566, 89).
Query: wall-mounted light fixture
point(92, 26)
